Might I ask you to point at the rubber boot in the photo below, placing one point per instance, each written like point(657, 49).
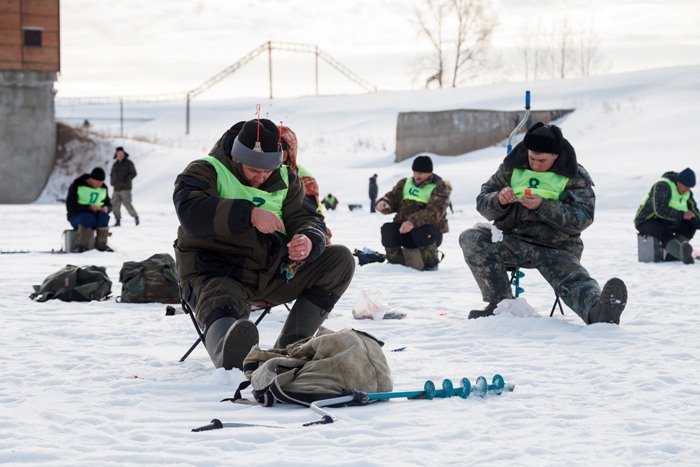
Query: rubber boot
point(394, 255)
point(429, 255)
point(136, 220)
point(412, 258)
point(229, 340)
point(488, 311)
point(612, 301)
point(303, 321)
point(85, 235)
point(117, 223)
point(680, 250)
point(101, 240)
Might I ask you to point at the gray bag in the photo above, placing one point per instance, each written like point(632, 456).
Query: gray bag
point(74, 284)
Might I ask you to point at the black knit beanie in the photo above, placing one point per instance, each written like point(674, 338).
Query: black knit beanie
point(687, 177)
point(266, 155)
point(98, 174)
point(422, 164)
point(544, 138)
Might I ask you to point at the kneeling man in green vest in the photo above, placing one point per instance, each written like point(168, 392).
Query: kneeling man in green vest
point(540, 199)
point(247, 236)
point(420, 203)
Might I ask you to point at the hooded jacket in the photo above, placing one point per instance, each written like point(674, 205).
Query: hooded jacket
point(556, 223)
point(216, 237)
point(122, 173)
point(72, 206)
point(433, 213)
point(657, 205)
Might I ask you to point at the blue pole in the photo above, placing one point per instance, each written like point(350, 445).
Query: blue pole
point(522, 122)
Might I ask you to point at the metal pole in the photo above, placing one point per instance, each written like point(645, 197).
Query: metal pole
point(121, 117)
point(316, 54)
point(187, 115)
point(269, 63)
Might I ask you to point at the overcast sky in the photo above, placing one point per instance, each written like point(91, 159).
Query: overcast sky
point(132, 47)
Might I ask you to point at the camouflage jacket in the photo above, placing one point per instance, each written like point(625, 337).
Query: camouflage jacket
point(216, 237)
point(556, 223)
point(656, 205)
point(433, 213)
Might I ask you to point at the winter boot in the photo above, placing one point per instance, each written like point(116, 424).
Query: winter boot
point(680, 250)
point(136, 220)
point(412, 258)
point(117, 223)
point(612, 301)
point(85, 235)
point(101, 241)
point(229, 340)
point(303, 321)
point(394, 255)
point(488, 311)
point(429, 255)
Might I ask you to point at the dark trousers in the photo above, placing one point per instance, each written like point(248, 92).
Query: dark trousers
point(372, 202)
point(417, 238)
point(665, 231)
point(91, 220)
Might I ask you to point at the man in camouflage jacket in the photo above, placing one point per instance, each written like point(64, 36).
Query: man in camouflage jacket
point(541, 199)
point(247, 236)
point(420, 203)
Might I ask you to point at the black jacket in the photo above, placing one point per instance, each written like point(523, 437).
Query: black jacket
point(123, 172)
point(72, 205)
point(373, 188)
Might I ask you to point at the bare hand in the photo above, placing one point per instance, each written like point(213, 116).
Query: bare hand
point(382, 206)
point(688, 215)
point(506, 196)
point(94, 208)
point(299, 247)
point(531, 202)
point(266, 221)
point(406, 227)
point(104, 209)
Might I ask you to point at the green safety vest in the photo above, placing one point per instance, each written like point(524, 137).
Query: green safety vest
point(678, 201)
point(88, 195)
point(303, 172)
point(415, 193)
point(547, 185)
point(230, 187)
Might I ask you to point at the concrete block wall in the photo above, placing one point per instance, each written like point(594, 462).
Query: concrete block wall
point(454, 132)
point(27, 134)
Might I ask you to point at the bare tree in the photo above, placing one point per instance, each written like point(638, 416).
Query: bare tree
point(532, 53)
point(431, 26)
point(561, 56)
point(589, 51)
point(473, 25)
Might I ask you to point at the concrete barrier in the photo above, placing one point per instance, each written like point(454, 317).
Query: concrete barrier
point(27, 134)
point(454, 132)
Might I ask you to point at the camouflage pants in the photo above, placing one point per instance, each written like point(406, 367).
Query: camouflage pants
point(489, 262)
point(323, 282)
point(120, 197)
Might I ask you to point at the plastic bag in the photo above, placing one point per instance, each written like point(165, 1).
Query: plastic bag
point(371, 305)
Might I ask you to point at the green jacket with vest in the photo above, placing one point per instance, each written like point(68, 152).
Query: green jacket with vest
point(657, 203)
point(557, 223)
point(81, 196)
point(430, 210)
point(216, 237)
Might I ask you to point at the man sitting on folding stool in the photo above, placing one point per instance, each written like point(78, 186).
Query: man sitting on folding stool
point(246, 235)
point(541, 199)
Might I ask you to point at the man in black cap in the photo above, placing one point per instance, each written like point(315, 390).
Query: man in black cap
point(121, 176)
point(88, 207)
point(245, 236)
point(420, 203)
point(670, 214)
point(540, 199)
point(373, 192)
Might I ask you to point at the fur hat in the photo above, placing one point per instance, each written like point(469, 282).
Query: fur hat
point(258, 145)
point(98, 174)
point(544, 138)
point(687, 177)
point(119, 148)
point(422, 164)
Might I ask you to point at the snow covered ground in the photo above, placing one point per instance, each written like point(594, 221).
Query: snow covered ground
point(86, 383)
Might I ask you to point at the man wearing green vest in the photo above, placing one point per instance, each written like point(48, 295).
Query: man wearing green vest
point(420, 203)
point(670, 214)
point(330, 202)
point(540, 200)
point(88, 206)
point(245, 236)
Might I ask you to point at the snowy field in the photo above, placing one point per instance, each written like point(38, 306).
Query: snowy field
point(100, 383)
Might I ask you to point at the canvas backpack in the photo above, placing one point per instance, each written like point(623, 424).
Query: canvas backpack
point(149, 281)
point(74, 284)
point(332, 364)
